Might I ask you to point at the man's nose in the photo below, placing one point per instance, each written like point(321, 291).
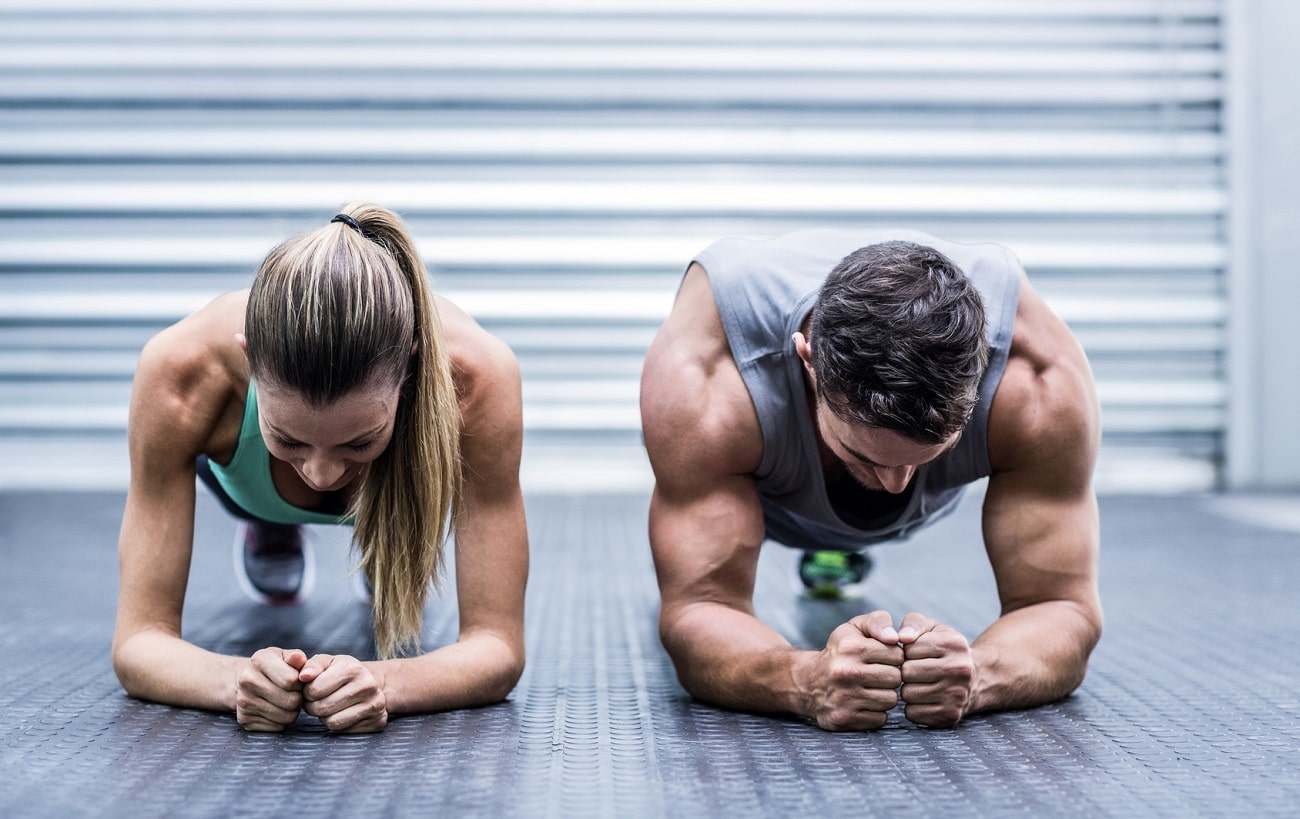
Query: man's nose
point(895, 478)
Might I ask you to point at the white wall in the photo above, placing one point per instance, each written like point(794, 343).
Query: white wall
point(1264, 94)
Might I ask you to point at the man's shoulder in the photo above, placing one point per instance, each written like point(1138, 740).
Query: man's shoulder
point(1045, 409)
point(696, 412)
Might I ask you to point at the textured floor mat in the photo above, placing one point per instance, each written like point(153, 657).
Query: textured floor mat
point(1191, 706)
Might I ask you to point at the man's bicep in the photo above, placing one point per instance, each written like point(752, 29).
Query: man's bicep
point(705, 541)
point(1042, 545)
point(1041, 526)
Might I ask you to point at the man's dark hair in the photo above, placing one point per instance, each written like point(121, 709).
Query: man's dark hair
point(898, 341)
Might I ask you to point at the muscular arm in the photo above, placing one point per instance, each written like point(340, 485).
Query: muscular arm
point(705, 548)
point(484, 664)
point(1041, 526)
point(706, 528)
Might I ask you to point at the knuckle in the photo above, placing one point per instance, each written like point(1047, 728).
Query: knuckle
point(887, 655)
point(839, 718)
point(932, 716)
point(884, 699)
point(842, 674)
point(874, 721)
point(890, 677)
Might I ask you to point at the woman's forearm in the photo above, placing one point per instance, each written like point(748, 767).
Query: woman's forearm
point(159, 667)
point(480, 669)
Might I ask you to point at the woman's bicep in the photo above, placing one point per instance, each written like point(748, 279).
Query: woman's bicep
point(156, 538)
point(154, 549)
point(491, 530)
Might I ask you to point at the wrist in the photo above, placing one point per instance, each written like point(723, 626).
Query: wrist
point(235, 667)
point(980, 692)
point(801, 695)
point(387, 682)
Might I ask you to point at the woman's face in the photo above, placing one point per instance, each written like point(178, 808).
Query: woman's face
point(328, 446)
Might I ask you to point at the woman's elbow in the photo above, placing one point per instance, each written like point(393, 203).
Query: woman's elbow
point(127, 670)
point(505, 676)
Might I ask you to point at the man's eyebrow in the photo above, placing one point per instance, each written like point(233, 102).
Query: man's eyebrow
point(869, 462)
point(863, 458)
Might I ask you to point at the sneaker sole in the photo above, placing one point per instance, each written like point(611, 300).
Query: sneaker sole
point(246, 585)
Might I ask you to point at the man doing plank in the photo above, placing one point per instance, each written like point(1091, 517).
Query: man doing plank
point(834, 389)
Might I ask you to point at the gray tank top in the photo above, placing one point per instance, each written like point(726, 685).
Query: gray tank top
point(764, 290)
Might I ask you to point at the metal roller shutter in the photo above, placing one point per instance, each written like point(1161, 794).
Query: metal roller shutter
point(560, 161)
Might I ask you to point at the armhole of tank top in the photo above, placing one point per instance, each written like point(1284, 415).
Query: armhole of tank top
point(799, 424)
point(234, 466)
point(1005, 327)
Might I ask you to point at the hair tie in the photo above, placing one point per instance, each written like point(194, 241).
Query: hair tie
point(350, 222)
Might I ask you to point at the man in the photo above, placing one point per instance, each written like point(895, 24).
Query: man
point(830, 412)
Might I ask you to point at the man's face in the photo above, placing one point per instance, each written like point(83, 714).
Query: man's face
point(879, 459)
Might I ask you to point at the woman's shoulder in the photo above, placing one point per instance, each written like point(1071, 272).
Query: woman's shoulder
point(488, 386)
point(482, 365)
point(203, 343)
point(190, 373)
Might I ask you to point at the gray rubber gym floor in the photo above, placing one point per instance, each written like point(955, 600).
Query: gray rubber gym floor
point(1191, 708)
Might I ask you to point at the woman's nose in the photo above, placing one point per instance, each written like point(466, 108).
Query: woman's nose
point(322, 473)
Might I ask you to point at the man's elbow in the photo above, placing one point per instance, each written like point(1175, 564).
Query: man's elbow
point(1089, 635)
point(1094, 624)
point(676, 642)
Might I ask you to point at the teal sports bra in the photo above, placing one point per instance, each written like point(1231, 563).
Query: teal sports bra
point(247, 478)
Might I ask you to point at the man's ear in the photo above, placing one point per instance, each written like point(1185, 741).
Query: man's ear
point(242, 342)
point(804, 350)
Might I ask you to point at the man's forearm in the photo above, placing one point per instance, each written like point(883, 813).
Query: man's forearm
point(1033, 655)
point(731, 658)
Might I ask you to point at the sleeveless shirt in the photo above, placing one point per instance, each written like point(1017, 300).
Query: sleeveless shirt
point(764, 290)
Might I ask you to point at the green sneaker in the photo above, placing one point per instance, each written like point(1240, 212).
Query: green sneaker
point(826, 574)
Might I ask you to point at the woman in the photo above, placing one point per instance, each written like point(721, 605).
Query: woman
point(338, 389)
